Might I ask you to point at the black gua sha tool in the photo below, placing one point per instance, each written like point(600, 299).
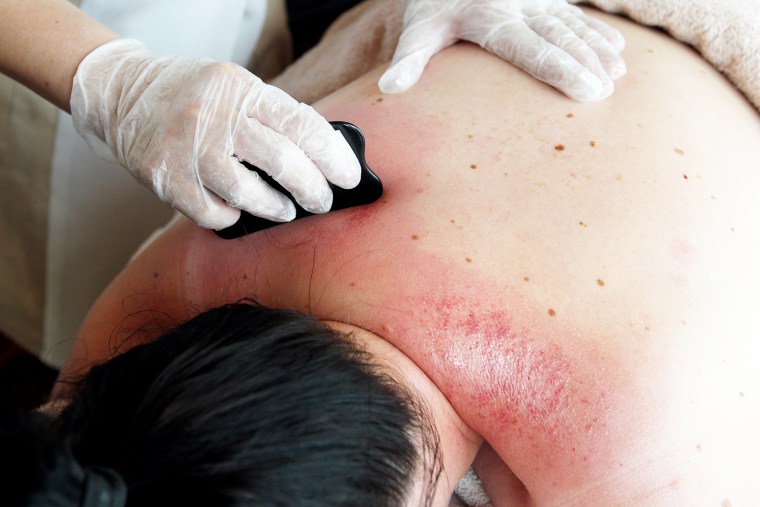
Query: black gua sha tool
point(369, 189)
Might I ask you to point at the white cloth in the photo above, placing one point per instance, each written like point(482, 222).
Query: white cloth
point(99, 215)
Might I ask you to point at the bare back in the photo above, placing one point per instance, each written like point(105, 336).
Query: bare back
point(579, 279)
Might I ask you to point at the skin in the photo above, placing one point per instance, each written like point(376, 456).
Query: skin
point(576, 280)
point(44, 41)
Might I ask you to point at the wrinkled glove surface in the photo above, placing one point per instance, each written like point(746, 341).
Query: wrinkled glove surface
point(181, 126)
point(550, 39)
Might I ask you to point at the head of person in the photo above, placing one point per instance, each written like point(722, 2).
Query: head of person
point(242, 405)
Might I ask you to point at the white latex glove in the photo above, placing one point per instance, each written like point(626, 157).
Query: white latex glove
point(550, 39)
point(181, 126)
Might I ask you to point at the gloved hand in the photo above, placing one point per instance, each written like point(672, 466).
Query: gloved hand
point(550, 39)
point(181, 126)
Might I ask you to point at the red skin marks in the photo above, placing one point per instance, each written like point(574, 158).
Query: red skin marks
point(545, 407)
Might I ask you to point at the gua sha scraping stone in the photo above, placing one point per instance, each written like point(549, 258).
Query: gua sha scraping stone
point(369, 189)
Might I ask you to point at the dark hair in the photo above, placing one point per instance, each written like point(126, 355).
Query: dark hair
point(247, 405)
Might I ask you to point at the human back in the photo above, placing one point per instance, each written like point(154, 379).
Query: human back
point(577, 278)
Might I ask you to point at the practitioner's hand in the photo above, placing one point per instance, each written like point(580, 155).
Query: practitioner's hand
point(181, 126)
point(550, 39)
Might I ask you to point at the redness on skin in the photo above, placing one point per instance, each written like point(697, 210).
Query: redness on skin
point(528, 389)
point(515, 379)
point(356, 217)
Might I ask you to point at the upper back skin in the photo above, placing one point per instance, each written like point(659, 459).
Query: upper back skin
point(579, 279)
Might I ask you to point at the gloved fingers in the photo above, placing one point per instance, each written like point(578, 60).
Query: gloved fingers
point(581, 62)
point(245, 190)
point(187, 195)
point(563, 33)
point(605, 50)
point(209, 213)
point(547, 62)
point(308, 133)
point(417, 45)
point(613, 35)
point(279, 157)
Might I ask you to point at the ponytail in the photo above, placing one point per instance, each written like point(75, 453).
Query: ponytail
point(37, 471)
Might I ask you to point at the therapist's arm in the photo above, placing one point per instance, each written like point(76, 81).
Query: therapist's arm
point(181, 126)
point(42, 43)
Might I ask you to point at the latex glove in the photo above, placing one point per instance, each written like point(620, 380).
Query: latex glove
point(550, 39)
point(181, 126)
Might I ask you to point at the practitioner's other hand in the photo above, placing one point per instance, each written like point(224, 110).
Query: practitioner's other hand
point(181, 126)
point(550, 39)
